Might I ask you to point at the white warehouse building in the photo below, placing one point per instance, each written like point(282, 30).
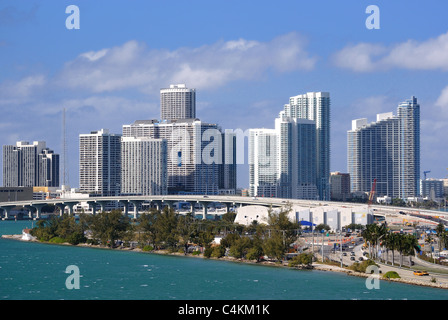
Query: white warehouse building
point(335, 217)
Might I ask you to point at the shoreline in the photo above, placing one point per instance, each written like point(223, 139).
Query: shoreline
point(314, 266)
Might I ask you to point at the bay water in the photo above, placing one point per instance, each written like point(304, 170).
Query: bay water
point(36, 271)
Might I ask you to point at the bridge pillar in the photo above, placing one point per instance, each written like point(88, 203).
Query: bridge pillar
point(192, 204)
point(168, 203)
point(136, 203)
point(38, 208)
point(102, 204)
point(204, 210)
point(70, 206)
point(30, 210)
point(93, 205)
point(61, 207)
point(158, 204)
point(125, 207)
point(7, 211)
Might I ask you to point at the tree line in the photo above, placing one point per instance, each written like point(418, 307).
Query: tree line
point(166, 230)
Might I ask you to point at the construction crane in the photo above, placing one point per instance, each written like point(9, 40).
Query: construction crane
point(425, 172)
point(372, 192)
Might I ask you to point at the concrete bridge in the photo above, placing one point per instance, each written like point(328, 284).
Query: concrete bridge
point(99, 203)
point(96, 204)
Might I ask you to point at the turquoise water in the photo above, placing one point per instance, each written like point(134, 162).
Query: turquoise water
point(37, 271)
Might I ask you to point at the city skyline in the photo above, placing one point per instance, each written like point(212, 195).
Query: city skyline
point(242, 72)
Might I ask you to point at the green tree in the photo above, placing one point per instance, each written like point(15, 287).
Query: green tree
point(205, 239)
point(355, 226)
point(229, 217)
point(76, 238)
point(240, 247)
point(185, 230)
point(109, 226)
point(274, 245)
point(67, 226)
point(230, 239)
point(166, 228)
point(282, 232)
point(45, 229)
point(146, 229)
point(255, 252)
point(398, 202)
point(303, 258)
point(218, 251)
point(322, 227)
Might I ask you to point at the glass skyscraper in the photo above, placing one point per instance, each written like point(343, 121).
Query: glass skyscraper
point(387, 150)
point(293, 160)
point(315, 106)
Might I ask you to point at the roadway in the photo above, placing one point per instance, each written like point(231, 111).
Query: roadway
point(439, 273)
point(204, 200)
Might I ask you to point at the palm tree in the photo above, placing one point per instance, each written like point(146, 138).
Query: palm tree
point(440, 230)
point(372, 234)
point(429, 240)
point(407, 245)
point(410, 246)
point(395, 245)
point(390, 242)
point(367, 234)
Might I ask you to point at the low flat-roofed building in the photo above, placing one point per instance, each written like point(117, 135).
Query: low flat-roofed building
point(16, 194)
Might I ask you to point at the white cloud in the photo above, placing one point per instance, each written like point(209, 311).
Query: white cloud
point(18, 92)
point(133, 65)
point(442, 101)
point(23, 87)
point(358, 57)
point(413, 55)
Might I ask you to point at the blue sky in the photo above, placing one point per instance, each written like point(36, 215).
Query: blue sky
point(245, 58)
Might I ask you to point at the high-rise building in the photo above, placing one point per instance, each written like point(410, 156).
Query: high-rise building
point(48, 168)
point(297, 161)
point(143, 166)
point(177, 102)
point(432, 189)
point(100, 163)
point(302, 150)
point(194, 157)
point(387, 150)
point(373, 153)
point(196, 151)
point(409, 114)
point(340, 186)
point(227, 169)
point(30, 165)
point(263, 162)
point(315, 106)
point(445, 187)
